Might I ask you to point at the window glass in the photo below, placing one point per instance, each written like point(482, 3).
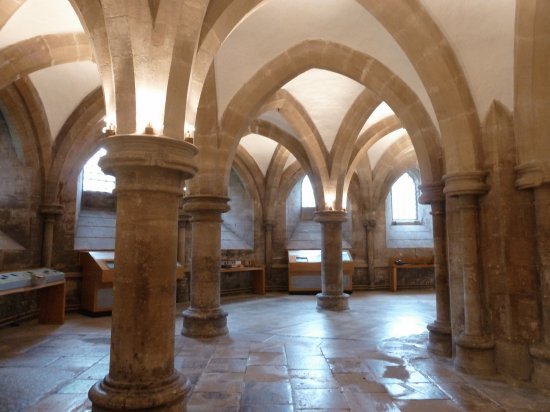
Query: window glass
point(308, 199)
point(403, 199)
point(94, 180)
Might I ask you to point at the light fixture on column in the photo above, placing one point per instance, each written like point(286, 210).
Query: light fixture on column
point(330, 200)
point(149, 129)
point(189, 132)
point(109, 129)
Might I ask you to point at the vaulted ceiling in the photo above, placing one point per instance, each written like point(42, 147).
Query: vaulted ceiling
point(481, 34)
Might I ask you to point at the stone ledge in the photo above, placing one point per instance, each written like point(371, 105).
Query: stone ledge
point(532, 174)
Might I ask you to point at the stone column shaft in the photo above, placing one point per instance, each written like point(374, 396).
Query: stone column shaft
point(440, 329)
point(475, 347)
point(183, 224)
point(370, 226)
point(440, 337)
point(470, 266)
point(50, 212)
point(440, 263)
point(332, 296)
point(542, 230)
point(541, 350)
point(205, 317)
point(268, 227)
point(150, 173)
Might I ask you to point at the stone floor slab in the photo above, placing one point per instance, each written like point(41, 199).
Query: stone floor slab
point(271, 361)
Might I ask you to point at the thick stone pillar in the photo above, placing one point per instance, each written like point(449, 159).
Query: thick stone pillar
point(541, 350)
point(205, 317)
point(268, 231)
point(370, 225)
point(440, 336)
point(150, 173)
point(50, 212)
point(475, 345)
point(332, 296)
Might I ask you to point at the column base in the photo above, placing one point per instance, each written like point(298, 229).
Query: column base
point(168, 396)
point(541, 365)
point(475, 355)
point(440, 339)
point(333, 302)
point(199, 323)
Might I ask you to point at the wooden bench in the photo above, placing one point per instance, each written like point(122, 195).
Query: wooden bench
point(407, 263)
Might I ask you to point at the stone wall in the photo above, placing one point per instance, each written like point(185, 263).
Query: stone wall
point(20, 223)
point(239, 220)
point(293, 210)
point(508, 251)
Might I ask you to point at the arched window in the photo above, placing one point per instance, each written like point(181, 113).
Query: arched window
point(94, 180)
point(308, 199)
point(404, 204)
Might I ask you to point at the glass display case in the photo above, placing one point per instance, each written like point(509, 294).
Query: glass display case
point(304, 270)
point(98, 270)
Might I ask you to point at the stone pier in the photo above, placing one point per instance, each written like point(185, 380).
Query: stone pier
point(205, 317)
point(440, 337)
point(150, 173)
point(475, 347)
point(541, 350)
point(332, 296)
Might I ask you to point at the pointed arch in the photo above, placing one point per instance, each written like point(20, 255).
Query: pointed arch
point(348, 62)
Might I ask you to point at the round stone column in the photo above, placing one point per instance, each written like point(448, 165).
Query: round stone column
point(370, 225)
point(440, 335)
point(205, 317)
point(541, 350)
point(150, 173)
point(332, 296)
point(268, 232)
point(50, 212)
point(475, 347)
point(183, 224)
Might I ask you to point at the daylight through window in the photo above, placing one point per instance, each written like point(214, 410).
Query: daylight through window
point(308, 199)
point(94, 180)
point(403, 199)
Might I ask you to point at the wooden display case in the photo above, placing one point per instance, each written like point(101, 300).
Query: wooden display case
point(304, 270)
point(49, 285)
point(98, 271)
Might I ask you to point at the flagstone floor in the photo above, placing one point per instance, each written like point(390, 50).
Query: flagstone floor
point(281, 355)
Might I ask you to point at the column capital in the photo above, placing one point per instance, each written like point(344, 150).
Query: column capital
point(532, 174)
point(205, 207)
point(52, 209)
point(130, 154)
point(431, 193)
point(466, 183)
point(330, 216)
point(268, 224)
